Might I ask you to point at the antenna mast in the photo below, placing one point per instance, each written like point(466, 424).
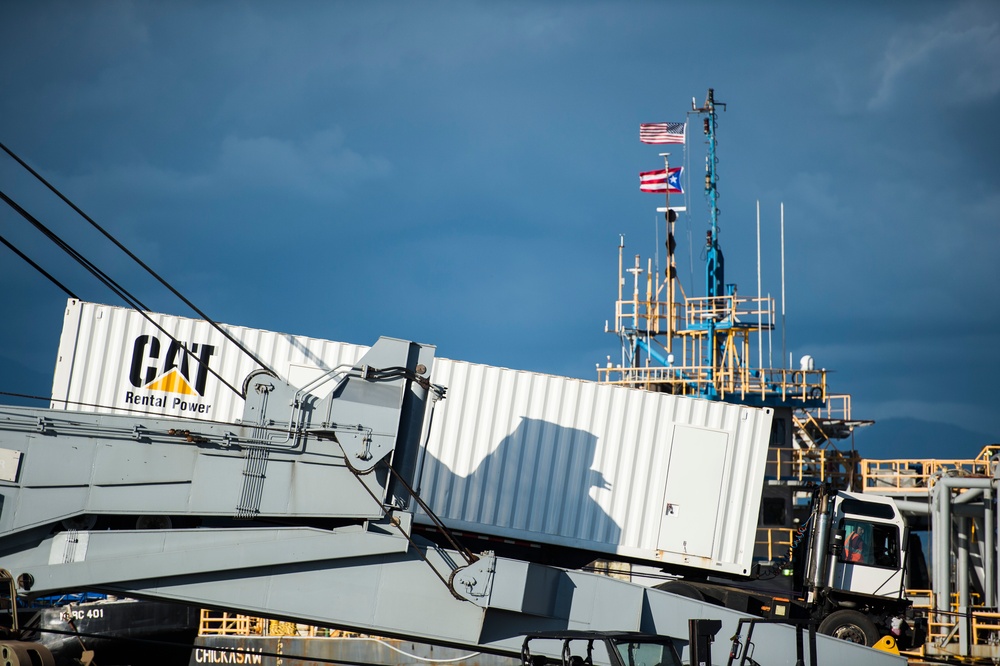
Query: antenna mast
point(715, 275)
point(715, 266)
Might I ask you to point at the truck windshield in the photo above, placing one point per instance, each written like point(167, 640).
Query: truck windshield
point(648, 654)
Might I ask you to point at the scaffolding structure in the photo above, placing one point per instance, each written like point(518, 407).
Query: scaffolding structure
point(704, 345)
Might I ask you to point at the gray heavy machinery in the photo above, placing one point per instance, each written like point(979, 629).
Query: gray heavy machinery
point(302, 511)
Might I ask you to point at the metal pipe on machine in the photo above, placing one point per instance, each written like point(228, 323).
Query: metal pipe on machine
point(962, 580)
point(941, 529)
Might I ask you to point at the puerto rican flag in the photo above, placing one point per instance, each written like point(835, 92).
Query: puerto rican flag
point(661, 181)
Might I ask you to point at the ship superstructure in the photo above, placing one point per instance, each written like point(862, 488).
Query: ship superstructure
point(676, 342)
point(712, 346)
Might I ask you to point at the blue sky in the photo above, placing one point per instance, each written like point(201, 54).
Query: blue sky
point(459, 173)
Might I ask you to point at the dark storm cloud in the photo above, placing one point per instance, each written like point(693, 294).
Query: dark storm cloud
point(460, 173)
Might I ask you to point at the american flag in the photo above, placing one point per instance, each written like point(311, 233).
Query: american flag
point(662, 132)
point(659, 181)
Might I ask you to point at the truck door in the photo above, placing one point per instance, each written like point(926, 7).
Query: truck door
point(869, 561)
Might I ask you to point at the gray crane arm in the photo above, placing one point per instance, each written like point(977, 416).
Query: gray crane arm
point(299, 512)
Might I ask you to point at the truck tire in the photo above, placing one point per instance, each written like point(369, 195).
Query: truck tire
point(682, 589)
point(850, 625)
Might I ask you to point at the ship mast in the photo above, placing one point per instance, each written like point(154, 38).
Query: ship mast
point(714, 263)
point(688, 344)
point(715, 266)
point(711, 356)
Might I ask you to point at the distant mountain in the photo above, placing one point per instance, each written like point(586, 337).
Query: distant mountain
point(913, 438)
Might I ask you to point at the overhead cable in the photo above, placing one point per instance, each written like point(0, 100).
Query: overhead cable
point(149, 270)
point(109, 282)
point(38, 268)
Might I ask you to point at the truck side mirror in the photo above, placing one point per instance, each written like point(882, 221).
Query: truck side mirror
point(837, 542)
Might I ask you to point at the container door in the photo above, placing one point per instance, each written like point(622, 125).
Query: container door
point(695, 475)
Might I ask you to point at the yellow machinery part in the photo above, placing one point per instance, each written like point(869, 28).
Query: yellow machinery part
point(887, 644)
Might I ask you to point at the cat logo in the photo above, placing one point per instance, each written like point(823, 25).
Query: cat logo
point(173, 371)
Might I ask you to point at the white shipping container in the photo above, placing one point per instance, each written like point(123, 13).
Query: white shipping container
point(113, 359)
point(511, 454)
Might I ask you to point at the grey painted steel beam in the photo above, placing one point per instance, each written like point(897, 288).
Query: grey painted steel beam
point(396, 593)
point(296, 459)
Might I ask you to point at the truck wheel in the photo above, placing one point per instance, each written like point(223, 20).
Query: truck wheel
point(681, 589)
point(850, 625)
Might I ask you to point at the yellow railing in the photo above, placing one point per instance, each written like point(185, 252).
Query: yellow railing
point(811, 465)
point(728, 310)
point(724, 311)
point(775, 541)
point(941, 624)
point(983, 622)
point(221, 623)
point(648, 315)
point(985, 627)
point(922, 600)
point(987, 454)
point(729, 375)
point(800, 385)
point(918, 475)
point(837, 407)
point(940, 627)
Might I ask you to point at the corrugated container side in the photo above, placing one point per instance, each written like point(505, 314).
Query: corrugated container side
point(509, 453)
point(112, 359)
point(556, 460)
